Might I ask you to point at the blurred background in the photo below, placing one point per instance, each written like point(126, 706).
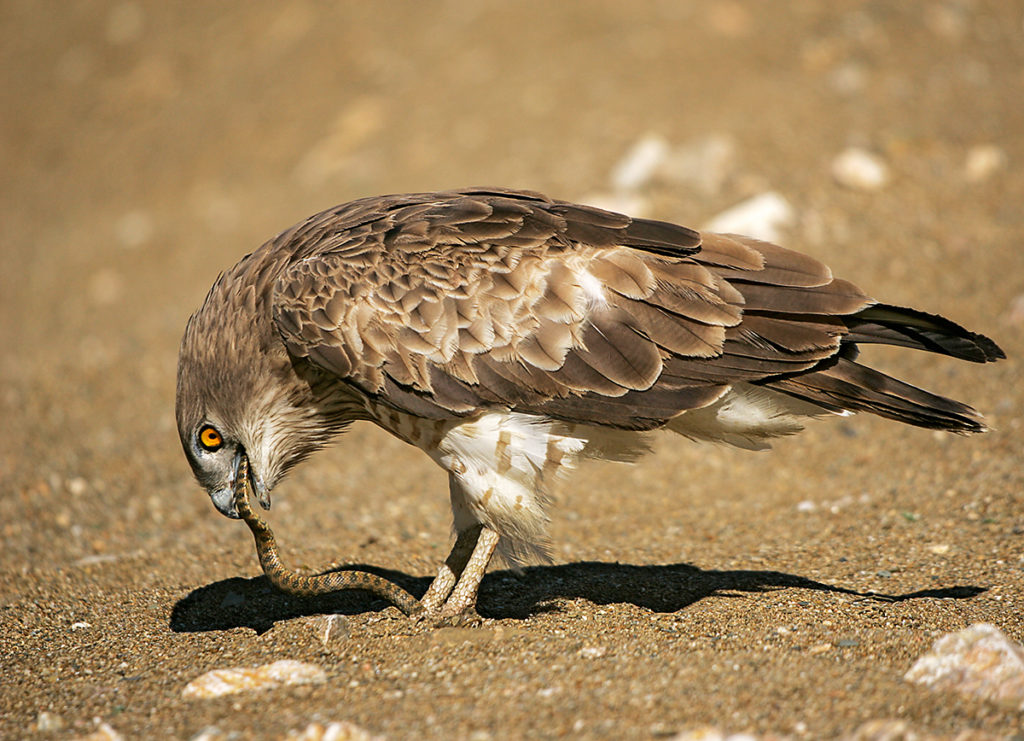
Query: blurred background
point(146, 146)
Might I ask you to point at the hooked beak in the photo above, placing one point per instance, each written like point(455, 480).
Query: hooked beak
point(224, 498)
point(241, 475)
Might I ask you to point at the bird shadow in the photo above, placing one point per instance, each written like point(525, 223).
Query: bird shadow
point(254, 603)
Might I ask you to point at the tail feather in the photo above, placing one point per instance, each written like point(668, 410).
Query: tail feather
point(895, 325)
point(847, 385)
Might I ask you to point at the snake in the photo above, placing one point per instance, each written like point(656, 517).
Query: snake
point(311, 586)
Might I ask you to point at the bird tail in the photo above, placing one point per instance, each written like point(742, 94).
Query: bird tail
point(895, 325)
point(845, 385)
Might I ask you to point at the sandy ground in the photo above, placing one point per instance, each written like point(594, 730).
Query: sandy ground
point(146, 146)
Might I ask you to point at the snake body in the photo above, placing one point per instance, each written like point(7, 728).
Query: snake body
point(310, 586)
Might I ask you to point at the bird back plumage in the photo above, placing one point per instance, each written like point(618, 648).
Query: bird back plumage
point(444, 304)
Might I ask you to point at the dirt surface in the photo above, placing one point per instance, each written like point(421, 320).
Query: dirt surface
point(146, 146)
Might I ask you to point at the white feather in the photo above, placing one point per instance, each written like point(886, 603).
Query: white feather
point(746, 416)
point(502, 465)
point(593, 288)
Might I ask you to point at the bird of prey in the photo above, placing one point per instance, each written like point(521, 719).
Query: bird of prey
point(509, 336)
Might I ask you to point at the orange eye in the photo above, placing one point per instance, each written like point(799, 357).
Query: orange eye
point(210, 439)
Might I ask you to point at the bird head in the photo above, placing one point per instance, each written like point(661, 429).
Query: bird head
point(220, 420)
point(242, 398)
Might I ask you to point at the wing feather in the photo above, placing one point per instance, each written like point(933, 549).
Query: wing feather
point(449, 303)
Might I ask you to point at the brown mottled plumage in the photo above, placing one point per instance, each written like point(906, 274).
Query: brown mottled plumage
point(509, 335)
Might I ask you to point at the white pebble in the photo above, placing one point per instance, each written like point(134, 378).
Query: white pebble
point(859, 169)
point(210, 733)
point(103, 732)
point(983, 161)
point(1014, 313)
point(81, 626)
point(243, 679)
point(332, 630)
point(704, 163)
point(47, 721)
point(979, 660)
point(77, 486)
point(640, 163)
point(134, 228)
point(763, 217)
point(337, 731)
point(850, 78)
point(712, 734)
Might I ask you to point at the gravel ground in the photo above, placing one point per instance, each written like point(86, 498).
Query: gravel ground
point(145, 146)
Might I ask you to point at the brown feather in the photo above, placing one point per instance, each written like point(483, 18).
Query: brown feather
point(838, 297)
point(485, 287)
point(782, 267)
point(613, 346)
point(847, 385)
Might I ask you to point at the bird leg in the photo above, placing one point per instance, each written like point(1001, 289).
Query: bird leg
point(463, 596)
point(454, 589)
point(451, 569)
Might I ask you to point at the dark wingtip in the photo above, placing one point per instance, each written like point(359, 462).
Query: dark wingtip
point(898, 325)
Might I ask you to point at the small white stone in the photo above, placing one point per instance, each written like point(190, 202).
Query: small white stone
point(640, 163)
point(243, 679)
point(210, 733)
point(82, 625)
point(860, 169)
point(1014, 313)
point(983, 161)
point(764, 217)
point(593, 652)
point(700, 734)
point(103, 732)
point(712, 734)
point(47, 721)
point(134, 228)
point(885, 729)
point(704, 163)
point(849, 79)
point(332, 630)
point(77, 486)
point(946, 21)
point(806, 506)
point(337, 731)
point(979, 660)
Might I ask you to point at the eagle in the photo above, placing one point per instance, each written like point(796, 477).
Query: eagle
point(510, 336)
